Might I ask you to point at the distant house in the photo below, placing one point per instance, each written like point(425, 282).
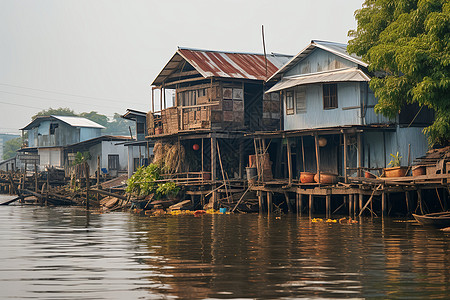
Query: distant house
point(110, 150)
point(329, 120)
point(140, 150)
point(48, 135)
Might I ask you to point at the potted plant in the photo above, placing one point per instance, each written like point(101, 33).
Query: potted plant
point(396, 170)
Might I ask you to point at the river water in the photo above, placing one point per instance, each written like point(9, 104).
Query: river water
point(68, 253)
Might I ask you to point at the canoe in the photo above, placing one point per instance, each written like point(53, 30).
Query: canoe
point(440, 220)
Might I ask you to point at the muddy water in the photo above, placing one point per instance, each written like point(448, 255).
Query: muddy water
point(68, 253)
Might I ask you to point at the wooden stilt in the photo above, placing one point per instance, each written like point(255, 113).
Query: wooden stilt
point(345, 157)
point(311, 205)
point(350, 204)
point(289, 160)
point(288, 202)
point(269, 202)
point(260, 201)
point(419, 200)
point(328, 205)
point(299, 203)
point(408, 204)
point(361, 202)
point(383, 203)
point(86, 171)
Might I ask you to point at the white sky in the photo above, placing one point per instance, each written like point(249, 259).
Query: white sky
point(103, 55)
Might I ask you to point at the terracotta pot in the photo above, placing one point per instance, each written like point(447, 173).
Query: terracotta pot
point(326, 178)
point(369, 175)
point(395, 171)
point(419, 170)
point(307, 177)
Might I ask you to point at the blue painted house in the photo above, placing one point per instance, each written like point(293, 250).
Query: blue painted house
point(48, 135)
point(329, 119)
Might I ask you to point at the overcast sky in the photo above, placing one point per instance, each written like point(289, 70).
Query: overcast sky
point(93, 55)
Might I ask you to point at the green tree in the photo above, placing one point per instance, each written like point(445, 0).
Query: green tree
point(96, 117)
point(55, 112)
point(119, 126)
point(10, 148)
point(409, 41)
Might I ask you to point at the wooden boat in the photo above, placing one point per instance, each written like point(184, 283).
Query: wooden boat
point(440, 220)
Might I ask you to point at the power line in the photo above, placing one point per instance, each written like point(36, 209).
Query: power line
point(67, 94)
point(73, 102)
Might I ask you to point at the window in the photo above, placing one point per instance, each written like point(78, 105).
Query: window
point(300, 101)
point(187, 98)
point(330, 99)
point(140, 127)
point(113, 162)
point(53, 126)
point(289, 103)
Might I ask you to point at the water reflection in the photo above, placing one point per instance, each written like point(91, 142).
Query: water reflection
point(67, 253)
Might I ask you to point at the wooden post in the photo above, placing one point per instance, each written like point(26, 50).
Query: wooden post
point(350, 204)
point(328, 205)
point(48, 186)
point(98, 175)
point(361, 201)
point(36, 187)
point(288, 202)
point(360, 149)
point(299, 203)
point(269, 202)
point(383, 202)
point(241, 158)
point(260, 201)
point(408, 205)
point(203, 164)
point(24, 186)
point(86, 171)
point(419, 200)
point(311, 204)
point(289, 160)
point(345, 158)
point(316, 138)
point(213, 157)
point(303, 156)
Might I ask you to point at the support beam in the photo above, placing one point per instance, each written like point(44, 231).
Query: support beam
point(269, 202)
point(350, 204)
point(360, 150)
point(408, 203)
point(311, 205)
point(316, 139)
point(361, 202)
point(345, 158)
point(328, 205)
point(383, 203)
point(299, 203)
point(289, 160)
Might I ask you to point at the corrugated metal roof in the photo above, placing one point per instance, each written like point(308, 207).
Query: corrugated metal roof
point(72, 121)
point(78, 122)
point(342, 75)
point(224, 64)
point(336, 48)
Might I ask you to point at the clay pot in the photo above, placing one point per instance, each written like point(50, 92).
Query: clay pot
point(395, 171)
point(307, 177)
point(369, 175)
point(419, 170)
point(326, 178)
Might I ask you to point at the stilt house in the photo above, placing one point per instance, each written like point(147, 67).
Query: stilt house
point(329, 120)
point(218, 97)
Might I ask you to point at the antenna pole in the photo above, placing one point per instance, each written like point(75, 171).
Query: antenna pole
point(264, 47)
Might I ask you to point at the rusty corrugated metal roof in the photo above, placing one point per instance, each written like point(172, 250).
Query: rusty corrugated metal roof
point(224, 64)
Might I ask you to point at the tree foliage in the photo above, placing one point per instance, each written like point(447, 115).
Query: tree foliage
point(410, 41)
point(10, 148)
point(55, 112)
